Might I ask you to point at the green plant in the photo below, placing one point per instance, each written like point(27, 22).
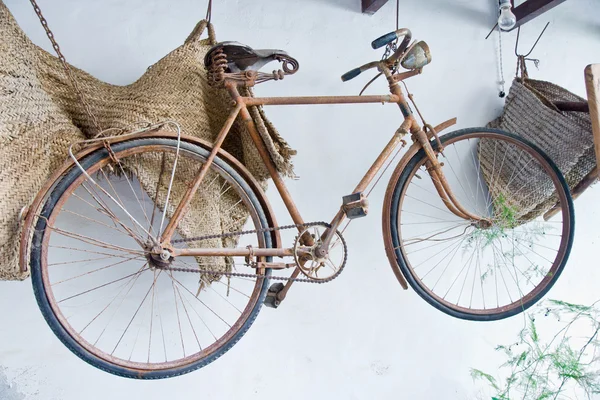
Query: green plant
point(505, 216)
point(564, 366)
point(527, 236)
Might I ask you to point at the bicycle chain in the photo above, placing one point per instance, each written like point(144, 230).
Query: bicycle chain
point(253, 276)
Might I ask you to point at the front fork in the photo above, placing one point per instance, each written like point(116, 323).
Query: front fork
point(433, 165)
point(434, 168)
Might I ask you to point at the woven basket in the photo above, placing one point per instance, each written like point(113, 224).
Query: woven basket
point(40, 116)
point(566, 137)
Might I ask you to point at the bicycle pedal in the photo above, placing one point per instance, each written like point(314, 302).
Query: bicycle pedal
point(355, 205)
point(271, 300)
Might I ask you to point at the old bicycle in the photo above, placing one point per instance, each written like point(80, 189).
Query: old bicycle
point(142, 287)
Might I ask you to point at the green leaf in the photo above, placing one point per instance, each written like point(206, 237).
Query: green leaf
point(534, 335)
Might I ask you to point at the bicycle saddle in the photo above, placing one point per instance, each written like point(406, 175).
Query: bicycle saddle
point(242, 58)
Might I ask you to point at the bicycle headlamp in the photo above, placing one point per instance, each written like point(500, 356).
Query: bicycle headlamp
point(417, 56)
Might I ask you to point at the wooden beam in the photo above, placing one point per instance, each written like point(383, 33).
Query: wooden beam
point(371, 6)
point(592, 84)
point(533, 8)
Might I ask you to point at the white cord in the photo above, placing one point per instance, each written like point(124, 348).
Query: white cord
point(502, 82)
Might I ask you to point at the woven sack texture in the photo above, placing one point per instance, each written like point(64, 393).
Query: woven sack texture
point(566, 137)
point(40, 116)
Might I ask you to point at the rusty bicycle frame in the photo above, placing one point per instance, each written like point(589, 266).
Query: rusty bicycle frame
point(420, 138)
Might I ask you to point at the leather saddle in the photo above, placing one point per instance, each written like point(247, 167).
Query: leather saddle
point(243, 58)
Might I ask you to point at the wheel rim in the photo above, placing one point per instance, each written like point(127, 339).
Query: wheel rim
point(221, 291)
point(451, 239)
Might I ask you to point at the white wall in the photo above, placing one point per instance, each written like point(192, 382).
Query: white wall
point(360, 336)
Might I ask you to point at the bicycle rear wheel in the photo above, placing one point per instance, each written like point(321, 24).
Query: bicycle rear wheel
point(473, 271)
point(96, 284)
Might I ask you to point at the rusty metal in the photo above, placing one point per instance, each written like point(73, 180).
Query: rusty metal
point(216, 73)
point(187, 198)
point(315, 259)
point(439, 180)
point(417, 56)
point(312, 248)
point(399, 77)
point(273, 265)
point(280, 101)
point(442, 126)
point(220, 75)
point(240, 68)
point(251, 252)
point(238, 251)
point(355, 205)
point(409, 126)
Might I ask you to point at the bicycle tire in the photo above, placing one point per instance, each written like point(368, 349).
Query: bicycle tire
point(37, 253)
point(404, 265)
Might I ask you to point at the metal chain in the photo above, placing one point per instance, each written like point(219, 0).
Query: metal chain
point(231, 234)
point(65, 65)
point(393, 46)
point(253, 276)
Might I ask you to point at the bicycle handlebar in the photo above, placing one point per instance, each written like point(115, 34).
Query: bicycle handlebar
point(383, 40)
point(351, 74)
point(380, 42)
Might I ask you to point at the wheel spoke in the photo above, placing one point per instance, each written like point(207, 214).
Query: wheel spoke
point(99, 227)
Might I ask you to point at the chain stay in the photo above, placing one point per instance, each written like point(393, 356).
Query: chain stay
point(254, 276)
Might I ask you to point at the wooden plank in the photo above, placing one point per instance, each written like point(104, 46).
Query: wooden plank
point(371, 6)
point(592, 85)
point(580, 106)
point(533, 8)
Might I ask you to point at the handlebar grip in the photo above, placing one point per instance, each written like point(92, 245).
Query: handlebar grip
point(351, 74)
point(383, 40)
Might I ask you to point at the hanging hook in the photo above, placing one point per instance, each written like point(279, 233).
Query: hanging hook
point(209, 11)
point(522, 58)
point(532, 47)
point(397, 14)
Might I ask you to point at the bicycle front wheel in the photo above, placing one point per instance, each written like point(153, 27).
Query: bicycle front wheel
point(480, 271)
point(97, 284)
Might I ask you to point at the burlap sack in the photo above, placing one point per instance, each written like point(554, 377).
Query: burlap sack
point(40, 116)
point(566, 137)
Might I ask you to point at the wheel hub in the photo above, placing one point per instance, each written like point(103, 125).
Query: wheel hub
point(159, 258)
point(483, 224)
